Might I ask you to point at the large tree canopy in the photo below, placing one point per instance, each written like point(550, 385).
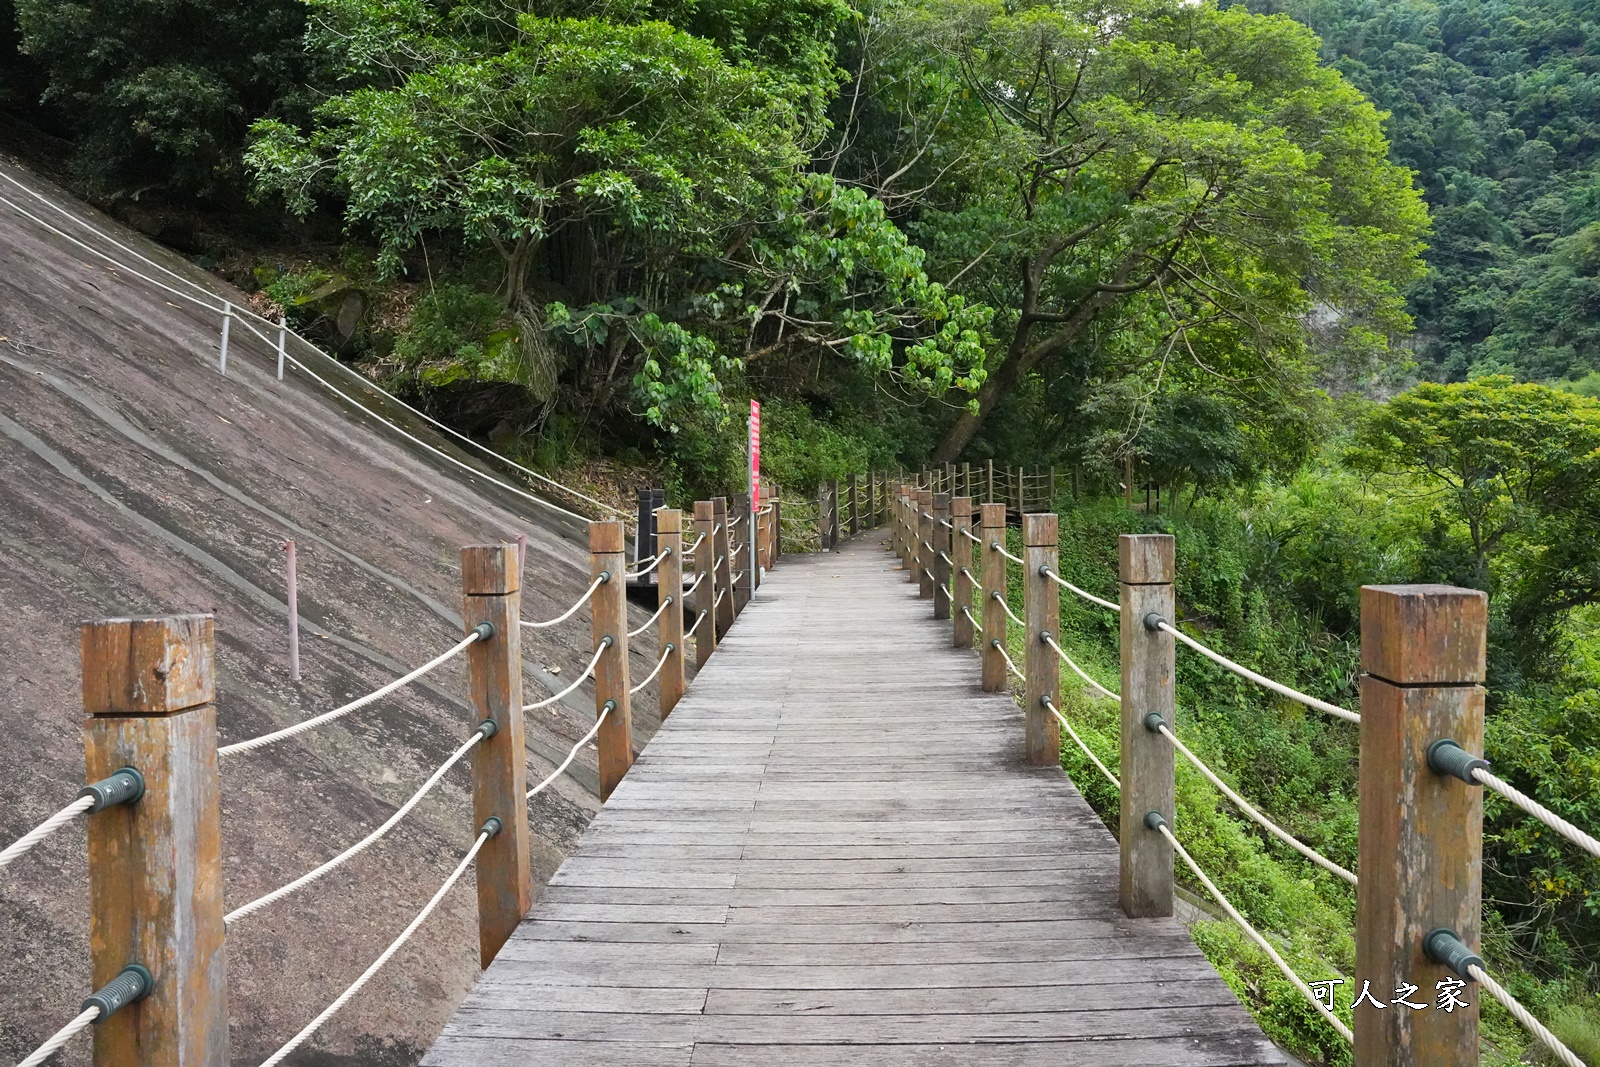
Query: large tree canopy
point(644, 191)
point(1139, 187)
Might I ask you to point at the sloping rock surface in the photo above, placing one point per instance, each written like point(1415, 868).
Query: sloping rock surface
point(136, 479)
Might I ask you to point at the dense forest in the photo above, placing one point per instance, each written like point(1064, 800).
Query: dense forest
point(1316, 283)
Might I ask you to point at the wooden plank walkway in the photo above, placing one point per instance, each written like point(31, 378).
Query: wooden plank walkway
point(831, 853)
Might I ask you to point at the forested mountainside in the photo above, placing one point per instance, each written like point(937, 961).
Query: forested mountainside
point(1496, 106)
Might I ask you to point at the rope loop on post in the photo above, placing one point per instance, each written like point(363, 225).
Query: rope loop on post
point(1045, 571)
point(601, 579)
point(1001, 549)
point(1001, 600)
point(354, 705)
point(1245, 672)
point(605, 643)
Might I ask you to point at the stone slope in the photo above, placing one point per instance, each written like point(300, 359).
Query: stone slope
point(136, 479)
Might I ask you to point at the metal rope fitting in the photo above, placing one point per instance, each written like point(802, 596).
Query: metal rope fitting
point(607, 641)
point(1044, 570)
point(610, 705)
point(484, 630)
point(994, 643)
point(488, 728)
point(672, 646)
point(1153, 820)
point(1154, 722)
point(1448, 758)
point(1153, 622)
point(1441, 945)
point(133, 982)
point(1045, 701)
point(124, 787)
point(1045, 637)
point(604, 577)
point(491, 826)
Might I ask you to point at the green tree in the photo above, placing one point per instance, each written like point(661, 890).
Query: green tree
point(1494, 104)
point(161, 94)
point(644, 195)
point(1518, 465)
point(1153, 185)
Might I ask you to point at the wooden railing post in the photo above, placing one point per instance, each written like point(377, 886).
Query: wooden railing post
point(1042, 612)
point(988, 497)
point(722, 556)
point(669, 540)
point(705, 593)
point(925, 544)
point(961, 569)
point(855, 506)
point(872, 500)
point(907, 533)
point(1147, 568)
point(155, 864)
point(941, 555)
point(992, 518)
point(741, 553)
point(610, 624)
point(491, 583)
point(777, 529)
point(833, 513)
point(1421, 832)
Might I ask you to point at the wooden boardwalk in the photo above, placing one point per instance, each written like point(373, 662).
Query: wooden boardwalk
point(832, 854)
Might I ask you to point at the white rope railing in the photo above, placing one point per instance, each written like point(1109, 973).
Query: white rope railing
point(1063, 583)
point(659, 664)
point(1525, 1017)
point(600, 579)
point(1538, 811)
point(355, 987)
point(1001, 549)
point(1087, 751)
point(61, 1037)
point(690, 550)
point(653, 562)
point(355, 705)
point(698, 621)
point(968, 613)
point(1250, 931)
point(651, 621)
point(946, 557)
point(718, 602)
point(1102, 690)
point(1001, 600)
point(360, 846)
point(970, 536)
point(243, 315)
point(572, 755)
point(998, 647)
point(1261, 820)
point(22, 845)
point(605, 643)
point(1260, 679)
point(698, 578)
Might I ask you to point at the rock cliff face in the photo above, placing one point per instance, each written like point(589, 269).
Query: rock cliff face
point(136, 479)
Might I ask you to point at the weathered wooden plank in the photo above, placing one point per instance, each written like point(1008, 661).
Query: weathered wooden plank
point(833, 852)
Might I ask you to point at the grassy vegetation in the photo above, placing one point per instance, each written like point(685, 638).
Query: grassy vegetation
point(1269, 576)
